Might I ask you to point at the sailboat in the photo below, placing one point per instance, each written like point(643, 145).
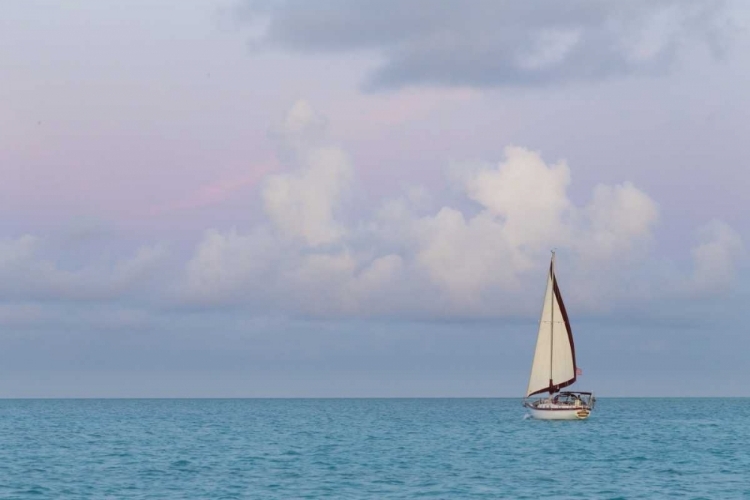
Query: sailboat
point(554, 366)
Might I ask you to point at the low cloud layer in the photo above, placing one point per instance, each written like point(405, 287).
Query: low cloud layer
point(494, 42)
point(31, 269)
point(415, 257)
point(484, 255)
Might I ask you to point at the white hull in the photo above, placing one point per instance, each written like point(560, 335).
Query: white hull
point(560, 413)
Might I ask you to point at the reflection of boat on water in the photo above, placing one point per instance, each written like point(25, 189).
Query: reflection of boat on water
point(554, 366)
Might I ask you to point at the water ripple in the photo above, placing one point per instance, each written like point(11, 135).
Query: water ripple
point(385, 449)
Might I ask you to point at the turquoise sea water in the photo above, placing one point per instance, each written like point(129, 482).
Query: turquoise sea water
point(371, 448)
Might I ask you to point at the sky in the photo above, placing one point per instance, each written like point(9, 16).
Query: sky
point(234, 198)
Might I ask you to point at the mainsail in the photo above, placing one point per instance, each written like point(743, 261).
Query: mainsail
point(554, 365)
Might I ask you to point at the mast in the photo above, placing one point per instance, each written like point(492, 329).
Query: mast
point(551, 321)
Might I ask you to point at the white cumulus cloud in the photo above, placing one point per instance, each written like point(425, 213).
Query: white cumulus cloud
point(715, 258)
point(483, 255)
point(406, 260)
point(302, 203)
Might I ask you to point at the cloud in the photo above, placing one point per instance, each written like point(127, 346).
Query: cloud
point(482, 255)
point(483, 258)
point(301, 129)
point(301, 204)
point(529, 195)
point(226, 262)
point(715, 259)
point(26, 274)
point(618, 219)
point(493, 42)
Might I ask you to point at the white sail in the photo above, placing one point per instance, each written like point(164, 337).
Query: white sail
point(554, 365)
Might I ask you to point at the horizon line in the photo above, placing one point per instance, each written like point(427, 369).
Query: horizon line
point(48, 398)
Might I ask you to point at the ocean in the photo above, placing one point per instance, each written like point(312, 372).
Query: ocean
point(371, 448)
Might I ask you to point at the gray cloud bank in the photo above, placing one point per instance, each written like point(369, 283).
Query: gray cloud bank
point(487, 43)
